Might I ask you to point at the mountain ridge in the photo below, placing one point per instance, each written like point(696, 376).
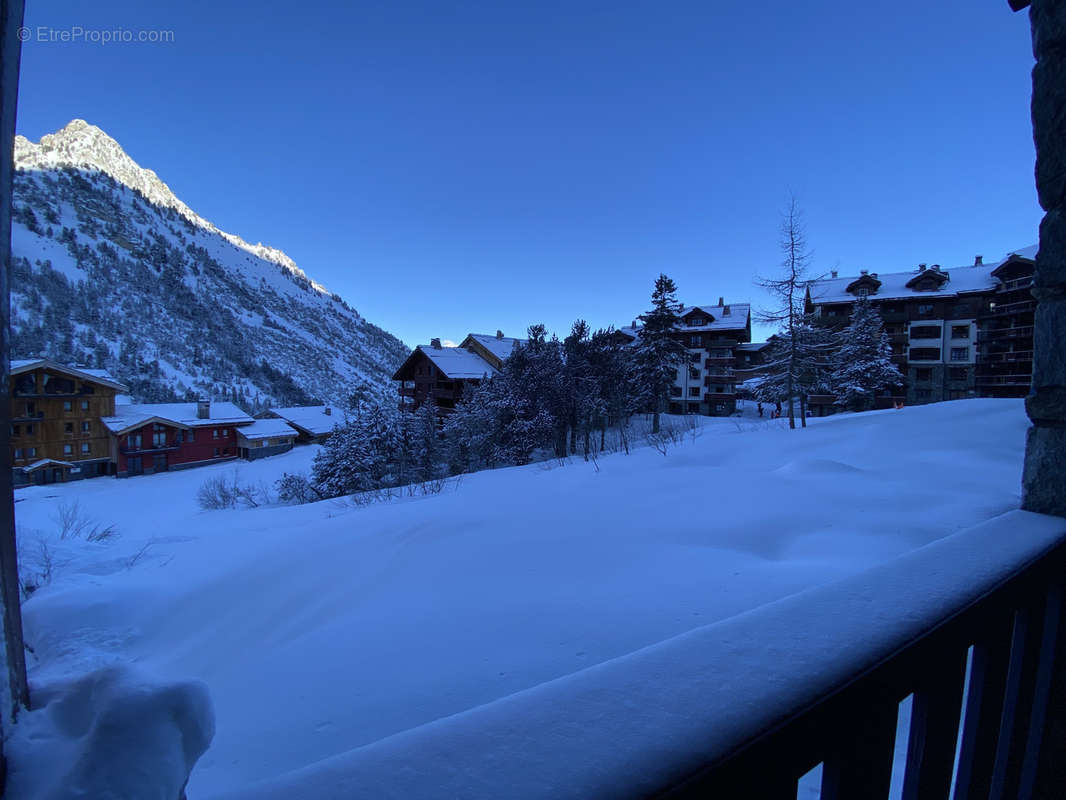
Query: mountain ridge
point(111, 269)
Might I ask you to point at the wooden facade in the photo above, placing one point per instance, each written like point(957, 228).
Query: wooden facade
point(56, 433)
point(439, 375)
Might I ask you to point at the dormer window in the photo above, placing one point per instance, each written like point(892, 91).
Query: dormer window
point(696, 322)
point(862, 291)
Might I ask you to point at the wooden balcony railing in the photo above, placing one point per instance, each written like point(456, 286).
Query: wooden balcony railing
point(969, 626)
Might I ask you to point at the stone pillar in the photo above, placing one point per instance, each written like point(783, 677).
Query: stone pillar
point(1044, 475)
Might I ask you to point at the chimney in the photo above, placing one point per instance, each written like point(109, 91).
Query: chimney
point(921, 267)
point(833, 273)
point(725, 311)
point(978, 260)
point(499, 334)
point(327, 411)
point(863, 272)
point(873, 275)
point(435, 344)
point(721, 301)
point(203, 408)
point(936, 268)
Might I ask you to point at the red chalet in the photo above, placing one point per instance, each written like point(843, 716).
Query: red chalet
point(156, 437)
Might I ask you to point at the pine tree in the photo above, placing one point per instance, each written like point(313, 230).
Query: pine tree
point(660, 353)
point(863, 361)
point(788, 289)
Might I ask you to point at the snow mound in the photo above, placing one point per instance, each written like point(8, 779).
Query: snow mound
point(108, 735)
point(807, 467)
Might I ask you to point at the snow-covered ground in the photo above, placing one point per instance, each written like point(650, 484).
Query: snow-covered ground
point(323, 628)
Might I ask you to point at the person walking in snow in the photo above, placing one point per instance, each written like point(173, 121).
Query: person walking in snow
point(760, 409)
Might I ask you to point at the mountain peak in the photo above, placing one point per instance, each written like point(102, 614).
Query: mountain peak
point(82, 145)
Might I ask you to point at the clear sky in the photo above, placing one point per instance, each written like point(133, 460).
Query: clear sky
point(457, 167)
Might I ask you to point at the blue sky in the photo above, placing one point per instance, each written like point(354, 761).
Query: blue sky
point(457, 167)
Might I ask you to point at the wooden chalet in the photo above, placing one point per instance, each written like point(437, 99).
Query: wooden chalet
point(440, 374)
point(494, 349)
point(56, 434)
point(156, 437)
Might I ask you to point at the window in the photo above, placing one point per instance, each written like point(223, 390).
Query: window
point(225, 451)
point(695, 322)
point(694, 374)
point(16, 430)
point(694, 391)
point(923, 374)
point(962, 309)
point(923, 394)
point(925, 309)
point(960, 353)
point(86, 426)
point(957, 373)
point(925, 354)
point(862, 292)
point(159, 435)
point(960, 331)
point(216, 452)
point(675, 391)
point(68, 427)
point(29, 429)
point(190, 436)
point(719, 407)
point(84, 405)
point(694, 358)
point(68, 405)
point(214, 433)
point(694, 408)
point(31, 452)
point(85, 448)
point(18, 453)
point(694, 341)
point(68, 449)
point(133, 441)
point(925, 332)
point(225, 432)
point(31, 409)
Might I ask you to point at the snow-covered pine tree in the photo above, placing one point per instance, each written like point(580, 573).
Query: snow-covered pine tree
point(659, 351)
point(863, 360)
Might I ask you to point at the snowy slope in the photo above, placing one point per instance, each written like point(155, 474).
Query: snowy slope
point(112, 269)
point(324, 628)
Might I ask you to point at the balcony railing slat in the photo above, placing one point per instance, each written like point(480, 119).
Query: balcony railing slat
point(1018, 701)
point(1044, 769)
point(934, 730)
point(984, 708)
point(859, 766)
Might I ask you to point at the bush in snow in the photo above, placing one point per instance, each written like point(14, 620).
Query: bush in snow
point(221, 492)
point(296, 488)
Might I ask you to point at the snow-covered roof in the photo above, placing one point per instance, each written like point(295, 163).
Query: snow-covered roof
point(499, 346)
point(183, 415)
point(736, 319)
point(960, 280)
point(266, 429)
point(315, 420)
point(96, 375)
point(44, 462)
point(751, 347)
point(457, 362)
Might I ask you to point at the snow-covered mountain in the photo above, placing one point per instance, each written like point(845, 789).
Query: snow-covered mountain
point(112, 270)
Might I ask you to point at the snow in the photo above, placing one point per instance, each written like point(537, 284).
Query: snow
point(315, 420)
point(736, 319)
point(266, 428)
point(457, 362)
point(893, 285)
point(20, 365)
point(535, 631)
point(501, 347)
point(133, 415)
point(160, 729)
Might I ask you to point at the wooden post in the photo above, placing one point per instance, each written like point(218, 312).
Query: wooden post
point(11, 36)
